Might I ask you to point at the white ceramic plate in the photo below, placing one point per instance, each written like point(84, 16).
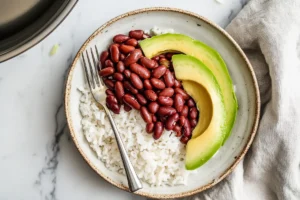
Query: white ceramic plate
point(240, 70)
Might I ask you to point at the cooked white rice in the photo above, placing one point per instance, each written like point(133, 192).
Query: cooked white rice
point(157, 162)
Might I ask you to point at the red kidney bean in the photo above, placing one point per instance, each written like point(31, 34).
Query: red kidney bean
point(153, 107)
point(151, 95)
point(111, 99)
point(136, 81)
point(155, 58)
point(157, 83)
point(185, 111)
point(159, 71)
point(127, 73)
point(182, 92)
point(108, 63)
point(177, 84)
point(119, 90)
point(109, 84)
point(120, 38)
point(186, 128)
point(118, 76)
point(132, 42)
point(147, 84)
point(163, 118)
point(169, 79)
point(165, 101)
point(167, 92)
point(178, 102)
point(122, 57)
point(126, 48)
point(177, 129)
point(184, 139)
point(166, 111)
point(129, 87)
point(190, 103)
point(103, 57)
point(146, 62)
point(154, 118)
point(109, 92)
point(136, 34)
point(140, 70)
point(133, 57)
point(193, 122)
point(141, 99)
point(162, 56)
point(146, 115)
point(158, 130)
point(193, 113)
point(182, 120)
point(127, 108)
point(171, 121)
point(107, 71)
point(114, 53)
point(169, 56)
point(114, 107)
point(120, 67)
point(149, 127)
point(131, 101)
point(164, 61)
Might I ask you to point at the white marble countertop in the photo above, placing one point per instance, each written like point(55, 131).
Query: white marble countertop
point(37, 158)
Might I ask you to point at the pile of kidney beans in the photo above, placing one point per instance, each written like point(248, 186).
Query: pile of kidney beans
point(147, 85)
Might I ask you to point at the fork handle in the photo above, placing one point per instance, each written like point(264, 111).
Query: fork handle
point(134, 182)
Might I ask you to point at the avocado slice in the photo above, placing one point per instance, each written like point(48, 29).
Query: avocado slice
point(203, 102)
point(199, 82)
point(208, 56)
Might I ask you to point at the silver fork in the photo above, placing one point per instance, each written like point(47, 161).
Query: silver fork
point(98, 91)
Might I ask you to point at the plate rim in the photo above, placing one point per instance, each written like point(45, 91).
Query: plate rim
point(236, 46)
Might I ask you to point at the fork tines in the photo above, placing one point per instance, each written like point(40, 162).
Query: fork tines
point(90, 67)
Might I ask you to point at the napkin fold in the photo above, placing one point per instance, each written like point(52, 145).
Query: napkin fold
point(269, 33)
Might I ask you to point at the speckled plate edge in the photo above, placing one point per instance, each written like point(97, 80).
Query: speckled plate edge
point(239, 157)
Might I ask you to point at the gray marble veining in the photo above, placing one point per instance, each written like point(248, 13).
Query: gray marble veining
point(243, 2)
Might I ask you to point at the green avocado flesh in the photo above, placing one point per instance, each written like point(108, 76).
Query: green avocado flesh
point(201, 84)
point(208, 56)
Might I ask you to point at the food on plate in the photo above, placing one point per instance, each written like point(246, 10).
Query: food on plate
point(202, 85)
point(156, 162)
point(208, 56)
point(156, 87)
point(147, 85)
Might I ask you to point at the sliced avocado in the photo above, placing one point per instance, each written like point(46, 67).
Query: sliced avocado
point(211, 58)
point(201, 84)
point(203, 102)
